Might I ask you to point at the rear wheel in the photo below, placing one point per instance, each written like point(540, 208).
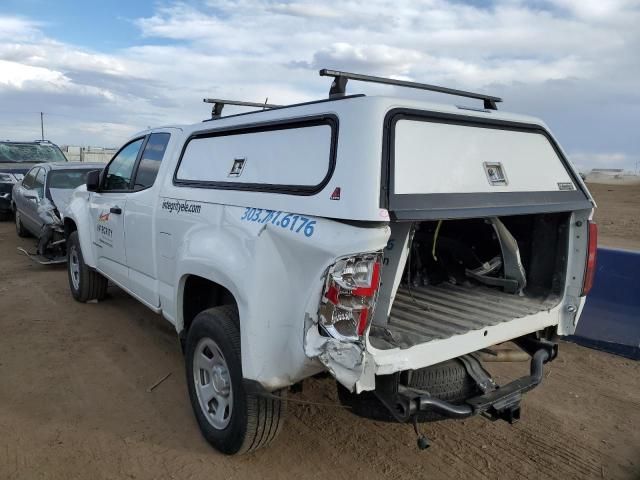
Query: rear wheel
point(85, 283)
point(230, 419)
point(447, 381)
point(20, 230)
point(5, 216)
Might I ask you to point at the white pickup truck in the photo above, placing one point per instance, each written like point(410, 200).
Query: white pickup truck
point(388, 241)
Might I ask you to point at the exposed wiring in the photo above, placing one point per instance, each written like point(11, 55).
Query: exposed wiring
point(435, 240)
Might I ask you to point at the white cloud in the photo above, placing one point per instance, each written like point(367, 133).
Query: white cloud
point(572, 62)
point(18, 29)
point(16, 75)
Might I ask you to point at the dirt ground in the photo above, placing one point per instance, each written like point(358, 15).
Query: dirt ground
point(74, 401)
point(617, 215)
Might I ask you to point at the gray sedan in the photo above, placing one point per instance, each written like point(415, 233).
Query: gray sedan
point(39, 201)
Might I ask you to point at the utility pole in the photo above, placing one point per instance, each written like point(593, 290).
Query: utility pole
point(42, 125)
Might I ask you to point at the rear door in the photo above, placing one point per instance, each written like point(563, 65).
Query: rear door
point(108, 207)
point(454, 166)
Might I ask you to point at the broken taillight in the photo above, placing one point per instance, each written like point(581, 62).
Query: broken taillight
point(590, 264)
point(349, 296)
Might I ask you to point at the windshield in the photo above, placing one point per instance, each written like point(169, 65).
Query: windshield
point(30, 153)
point(68, 179)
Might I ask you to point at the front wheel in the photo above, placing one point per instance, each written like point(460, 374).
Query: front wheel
point(85, 283)
point(230, 419)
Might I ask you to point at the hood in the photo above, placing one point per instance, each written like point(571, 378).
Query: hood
point(22, 167)
point(61, 198)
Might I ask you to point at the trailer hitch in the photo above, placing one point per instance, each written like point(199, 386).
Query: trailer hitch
point(495, 403)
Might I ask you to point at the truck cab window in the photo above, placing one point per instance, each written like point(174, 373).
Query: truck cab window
point(150, 161)
point(118, 172)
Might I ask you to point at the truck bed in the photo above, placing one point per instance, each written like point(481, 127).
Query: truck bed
point(422, 314)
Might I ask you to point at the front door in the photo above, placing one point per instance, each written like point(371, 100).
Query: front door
point(107, 211)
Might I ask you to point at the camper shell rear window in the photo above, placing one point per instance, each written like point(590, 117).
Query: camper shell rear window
point(430, 179)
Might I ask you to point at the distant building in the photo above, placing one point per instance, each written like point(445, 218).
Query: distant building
point(612, 176)
point(76, 153)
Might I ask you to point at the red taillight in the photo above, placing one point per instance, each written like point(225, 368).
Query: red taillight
point(590, 264)
point(373, 287)
point(363, 321)
point(349, 296)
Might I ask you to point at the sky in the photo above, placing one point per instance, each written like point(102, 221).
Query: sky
point(100, 71)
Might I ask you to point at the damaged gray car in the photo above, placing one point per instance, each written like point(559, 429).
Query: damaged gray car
point(39, 202)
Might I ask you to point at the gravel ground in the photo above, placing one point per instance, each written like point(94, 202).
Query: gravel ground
point(74, 403)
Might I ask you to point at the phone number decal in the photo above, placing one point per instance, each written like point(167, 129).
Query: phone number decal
point(295, 223)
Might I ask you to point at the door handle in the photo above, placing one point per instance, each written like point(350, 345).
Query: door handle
point(116, 210)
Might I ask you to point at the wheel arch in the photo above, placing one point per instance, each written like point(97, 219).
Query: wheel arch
point(69, 227)
point(78, 218)
point(198, 293)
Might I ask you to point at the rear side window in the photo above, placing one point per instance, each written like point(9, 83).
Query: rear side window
point(150, 160)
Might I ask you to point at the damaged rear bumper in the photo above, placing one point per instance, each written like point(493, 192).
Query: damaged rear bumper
point(495, 403)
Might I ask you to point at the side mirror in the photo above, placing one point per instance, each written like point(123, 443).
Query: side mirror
point(93, 180)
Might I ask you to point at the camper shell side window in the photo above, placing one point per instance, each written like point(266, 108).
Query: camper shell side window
point(292, 156)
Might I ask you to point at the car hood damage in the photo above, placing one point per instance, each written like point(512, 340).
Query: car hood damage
point(51, 243)
point(61, 198)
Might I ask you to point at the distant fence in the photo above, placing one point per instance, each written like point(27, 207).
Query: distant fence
point(611, 317)
point(88, 154)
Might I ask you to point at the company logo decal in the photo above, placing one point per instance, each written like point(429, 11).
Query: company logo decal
point(336, 194)
point(104, 217)
point(176, 206)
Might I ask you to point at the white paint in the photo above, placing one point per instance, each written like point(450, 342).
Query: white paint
point(443, 158)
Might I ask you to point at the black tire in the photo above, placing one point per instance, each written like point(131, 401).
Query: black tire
point(254, 421)
point(5, 216)
point(448, 381)
point(90, 285)
point(20, 230)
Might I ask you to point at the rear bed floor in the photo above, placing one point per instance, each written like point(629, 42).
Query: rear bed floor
point(423, 314)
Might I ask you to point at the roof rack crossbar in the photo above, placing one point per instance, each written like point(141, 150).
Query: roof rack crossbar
point(339, 84)
point(218, 105)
